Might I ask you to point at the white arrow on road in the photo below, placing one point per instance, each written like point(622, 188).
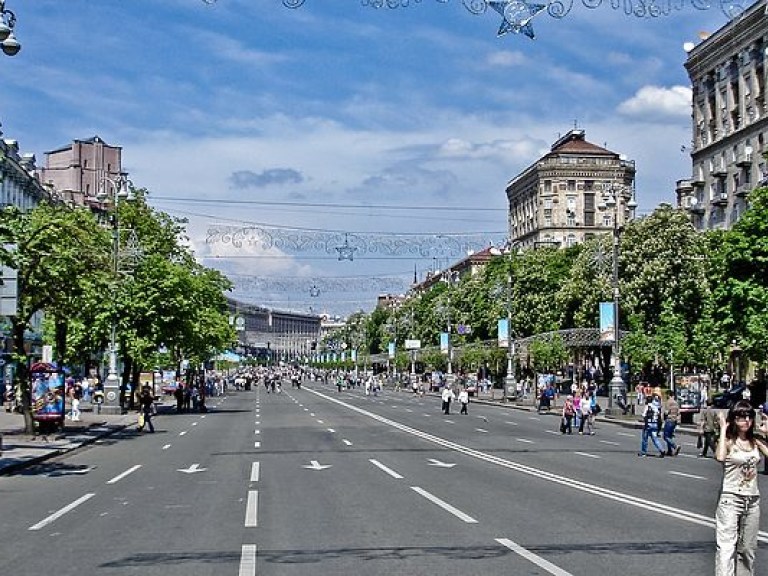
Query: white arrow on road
point(192, 469)
point(315, 465)
point(433, 462)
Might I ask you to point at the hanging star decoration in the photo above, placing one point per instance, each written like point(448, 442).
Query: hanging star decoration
point(517, 16)
point(346, 251)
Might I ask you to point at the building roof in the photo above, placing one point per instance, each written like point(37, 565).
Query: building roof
point(574, 142)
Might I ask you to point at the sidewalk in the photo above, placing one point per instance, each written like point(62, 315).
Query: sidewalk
point(20, 450)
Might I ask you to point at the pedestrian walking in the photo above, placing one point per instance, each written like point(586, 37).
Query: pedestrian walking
point(708, 429)
point(464, 400)
point(737, 517)
point(651, 419)
point(586, 414)
point(146, 406)
point(178, 394)
point(446, 396)
point(566, 421)
point(671, 418)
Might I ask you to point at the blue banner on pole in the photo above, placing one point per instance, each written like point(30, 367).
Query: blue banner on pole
point(503, 332)
point(444, 342)
point(607, 322)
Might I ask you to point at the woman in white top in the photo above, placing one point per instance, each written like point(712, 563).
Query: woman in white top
point(737, 518)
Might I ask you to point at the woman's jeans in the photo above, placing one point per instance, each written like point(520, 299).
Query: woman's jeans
point(737, 523)
point(650, 432)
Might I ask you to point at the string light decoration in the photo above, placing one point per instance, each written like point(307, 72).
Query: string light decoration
point(518, 14)
point(347, 245)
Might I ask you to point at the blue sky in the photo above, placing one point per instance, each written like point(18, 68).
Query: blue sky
point(226, 111)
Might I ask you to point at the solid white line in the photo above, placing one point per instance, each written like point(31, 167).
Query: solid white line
point(587, 455)
point(252, 509)
point(389, 471)
point(124, 474)
point(444, 505)
point(255, 468)
point(166, 447)
point(347, 442)
point(56, 515)
point(531, 557)
point(683, 474)
point(248, 560)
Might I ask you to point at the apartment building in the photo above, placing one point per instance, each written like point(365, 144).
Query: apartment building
point(730, 120)
point(79, 170)
point(570, 194)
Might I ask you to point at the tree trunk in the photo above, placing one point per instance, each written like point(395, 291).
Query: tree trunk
point(22, 376)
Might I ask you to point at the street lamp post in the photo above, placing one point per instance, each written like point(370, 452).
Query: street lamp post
point(8, 41)
point(117, 191)
point(510, 382)
point(614, 201)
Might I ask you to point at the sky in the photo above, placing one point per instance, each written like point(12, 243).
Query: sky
point(325, 154)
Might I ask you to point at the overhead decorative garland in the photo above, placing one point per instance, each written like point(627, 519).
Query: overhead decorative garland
point(347, 245)
point(518, 14)
point(317, 286)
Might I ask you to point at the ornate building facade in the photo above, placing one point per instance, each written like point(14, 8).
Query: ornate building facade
point(730, 120)
point(564, 197)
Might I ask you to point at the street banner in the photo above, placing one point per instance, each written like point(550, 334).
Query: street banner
point(354, 355)
point(444, 342)
point(344, 356)
point(503, 333)
point(391, 349)
point(607, 322)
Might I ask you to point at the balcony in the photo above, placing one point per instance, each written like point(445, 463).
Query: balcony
point(720, 199)
point(719, 172)
point(744, 161)
point(743, 190)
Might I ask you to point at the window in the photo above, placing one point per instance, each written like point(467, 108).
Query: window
point(589, 185)
point(548, 220)
point(571, 219)
point(571, 185)
point(547, 185)
point(547, 203)
point(607, 220)
point(570, 203)
point(571, 240)
point(589, 218)
point(589, 201)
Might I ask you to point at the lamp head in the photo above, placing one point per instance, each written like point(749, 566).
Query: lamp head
point(10, 45)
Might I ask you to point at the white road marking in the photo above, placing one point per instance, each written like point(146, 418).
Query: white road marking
point(248, 560)
point(426, 415)
point(194, 423)
point(202, 417)
point(258, 432)
point(531, 557)
point(444, 505)
point(552, 432)
point(609, 442)
point(626, 434)
point(166, 447)
point(320, 422)
point(182, 433)
point(450, 422)
point(625, 498)
point(255, 468)
point(331, 430)
point(252, 509)
point(257, 444)
point(56, 515)
point(389, 471)
point(588, 455)
point(533, 418)
point(511, 423)
point(481, 430)
point(119, 477)
point(311, 413)
point(347, 442)
point(684, 475)
point(524, 440)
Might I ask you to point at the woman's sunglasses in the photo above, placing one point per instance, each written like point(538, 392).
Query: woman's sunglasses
point(744, 415)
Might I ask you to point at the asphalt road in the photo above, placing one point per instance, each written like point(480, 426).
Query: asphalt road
point(315, 482)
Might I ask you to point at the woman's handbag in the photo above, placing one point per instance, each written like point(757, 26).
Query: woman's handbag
point(141, 419)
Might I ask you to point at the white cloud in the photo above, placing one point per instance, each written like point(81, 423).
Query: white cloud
point(506, 59)
point(658, 103)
